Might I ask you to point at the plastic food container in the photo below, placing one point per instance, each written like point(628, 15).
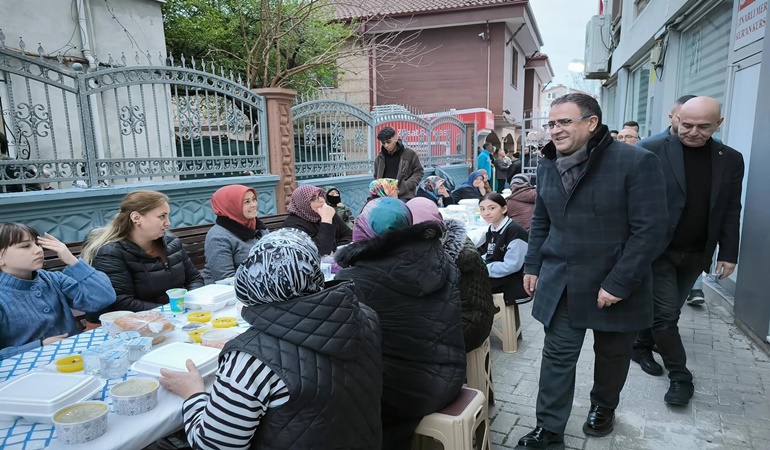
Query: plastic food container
point(212, 297)
point(195, 335)
point(174, 356)
point(81, 422)
point(219, 335)
point(138, 347)
point(108, 321)
point(135, 396)
point(224, 322)
point(200, 316)
point(36, 396)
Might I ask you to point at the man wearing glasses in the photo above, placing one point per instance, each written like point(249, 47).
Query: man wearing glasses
point(629, 136)
point(596, 228)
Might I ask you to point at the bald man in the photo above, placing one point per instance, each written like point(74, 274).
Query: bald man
point(703, 192)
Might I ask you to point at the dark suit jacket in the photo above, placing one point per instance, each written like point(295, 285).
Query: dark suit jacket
point(726, 185)
point(604, 234)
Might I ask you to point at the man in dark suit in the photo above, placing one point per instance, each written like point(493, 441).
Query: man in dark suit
point(596, 228)
point(703, 191)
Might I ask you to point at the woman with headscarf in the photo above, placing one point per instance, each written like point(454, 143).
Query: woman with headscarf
point(309, 212)
point(404, 274)
point(383, 187)
point(472, 188)
point(433, 189)
point(334, 200)
point(235, 231)
point(262, 396)
point(475, 289)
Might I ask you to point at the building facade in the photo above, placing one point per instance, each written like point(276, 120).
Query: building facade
point(663, 49)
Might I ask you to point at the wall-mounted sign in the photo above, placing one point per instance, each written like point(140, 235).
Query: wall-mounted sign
point(750, 19)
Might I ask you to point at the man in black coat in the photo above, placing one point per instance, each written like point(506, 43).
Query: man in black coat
point(703, 179)
point(596, 228)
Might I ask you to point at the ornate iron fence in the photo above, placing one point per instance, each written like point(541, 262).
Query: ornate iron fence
point(535, 136)
point(336, 138)
point(124, 124)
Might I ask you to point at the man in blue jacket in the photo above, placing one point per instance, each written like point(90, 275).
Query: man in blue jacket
point(484, 161)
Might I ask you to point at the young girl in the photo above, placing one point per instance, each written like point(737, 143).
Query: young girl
point(35, 305)
point(504, 249)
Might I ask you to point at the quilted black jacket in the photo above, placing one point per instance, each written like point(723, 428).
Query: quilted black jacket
point(326, 348)
point(412, 284)
point(141, 280)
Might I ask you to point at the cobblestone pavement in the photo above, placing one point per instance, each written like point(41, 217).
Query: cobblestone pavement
point(730, 408)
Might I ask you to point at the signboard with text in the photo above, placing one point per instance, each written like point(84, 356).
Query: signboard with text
point(751, 20)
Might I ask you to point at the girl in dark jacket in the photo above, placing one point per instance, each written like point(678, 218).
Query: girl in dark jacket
point(140, 258)
point(475, 291)
point(404, 274)
point(472, 188)
point(503, 249)
point(309, 212)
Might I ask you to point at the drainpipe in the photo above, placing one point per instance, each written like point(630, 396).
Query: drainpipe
point(489, 58)
point(83, 12)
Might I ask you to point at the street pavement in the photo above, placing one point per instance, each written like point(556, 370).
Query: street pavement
point(730, 408)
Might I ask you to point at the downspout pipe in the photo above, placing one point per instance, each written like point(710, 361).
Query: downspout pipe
point(489, 59)
point(84, 39)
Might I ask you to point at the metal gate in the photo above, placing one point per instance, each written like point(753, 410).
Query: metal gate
point(123, 124)
point(535, 135)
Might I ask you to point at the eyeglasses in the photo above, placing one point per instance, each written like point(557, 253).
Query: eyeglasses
point(562, 123)
point(628, 138)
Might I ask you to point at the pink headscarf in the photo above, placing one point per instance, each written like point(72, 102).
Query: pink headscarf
point(228, 202)
point(300, 202)
point(423, 210)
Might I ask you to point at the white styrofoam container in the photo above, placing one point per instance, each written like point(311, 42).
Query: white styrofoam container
point(36, 396)
point(211, 297)
point(173, 357)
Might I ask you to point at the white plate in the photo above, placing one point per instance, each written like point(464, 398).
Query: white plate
point(36, 396)
point(173, 357)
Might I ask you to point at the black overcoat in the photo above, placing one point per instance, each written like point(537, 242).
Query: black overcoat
point(605, 233)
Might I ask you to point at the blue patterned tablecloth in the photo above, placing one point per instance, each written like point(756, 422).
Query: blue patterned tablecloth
point(25, 435)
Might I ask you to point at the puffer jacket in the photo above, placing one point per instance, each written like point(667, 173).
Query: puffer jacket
point(141, 280)
point(412, 284)
point(331, 363)
point(475, 290)
point(521, 204)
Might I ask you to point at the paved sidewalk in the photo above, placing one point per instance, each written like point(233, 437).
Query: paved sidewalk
point(730, 409)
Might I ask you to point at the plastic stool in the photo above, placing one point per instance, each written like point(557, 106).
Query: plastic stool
point(456, 425)
point(511, 324)
point(478, 371)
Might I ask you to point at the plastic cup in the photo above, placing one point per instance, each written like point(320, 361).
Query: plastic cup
point(176, 299)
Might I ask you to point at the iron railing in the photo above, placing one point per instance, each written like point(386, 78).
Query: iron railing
point(115, 123)
point(333, 137)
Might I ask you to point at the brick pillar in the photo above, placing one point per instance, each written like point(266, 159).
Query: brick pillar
point(280, 138)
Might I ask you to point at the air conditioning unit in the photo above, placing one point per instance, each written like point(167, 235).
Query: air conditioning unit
point(598, 48)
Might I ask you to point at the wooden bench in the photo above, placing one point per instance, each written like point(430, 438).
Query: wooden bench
point(193, 238)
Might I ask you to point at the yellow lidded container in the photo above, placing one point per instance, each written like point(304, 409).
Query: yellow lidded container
point(199, 316)
point(68, 364)
point(195, 335)
point(224, 322)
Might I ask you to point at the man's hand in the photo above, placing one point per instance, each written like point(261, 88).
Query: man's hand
point(530, 284)
point(327, 213)
point(49, 242)
point(724, 269)
point(606, 299)
point(183, 384)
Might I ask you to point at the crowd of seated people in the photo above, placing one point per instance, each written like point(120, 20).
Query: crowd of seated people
point(414, 295)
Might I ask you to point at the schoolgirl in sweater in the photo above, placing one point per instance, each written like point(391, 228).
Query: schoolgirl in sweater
point(503, 249)
point(35, 305)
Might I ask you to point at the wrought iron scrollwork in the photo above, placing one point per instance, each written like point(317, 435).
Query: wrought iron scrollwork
point(132, 120)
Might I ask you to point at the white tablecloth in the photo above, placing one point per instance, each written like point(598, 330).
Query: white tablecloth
point(123, 432)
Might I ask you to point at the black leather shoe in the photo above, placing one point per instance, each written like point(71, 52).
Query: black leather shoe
point(679, 393)
point(540, 438)
point(600, 421)
point(648, 364)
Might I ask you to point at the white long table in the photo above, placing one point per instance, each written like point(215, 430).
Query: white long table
point(123, 432)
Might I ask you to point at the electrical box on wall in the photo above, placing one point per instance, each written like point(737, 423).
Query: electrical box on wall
point(598, 48)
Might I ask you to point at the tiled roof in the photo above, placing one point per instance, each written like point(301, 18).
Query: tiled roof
point(347, 9)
